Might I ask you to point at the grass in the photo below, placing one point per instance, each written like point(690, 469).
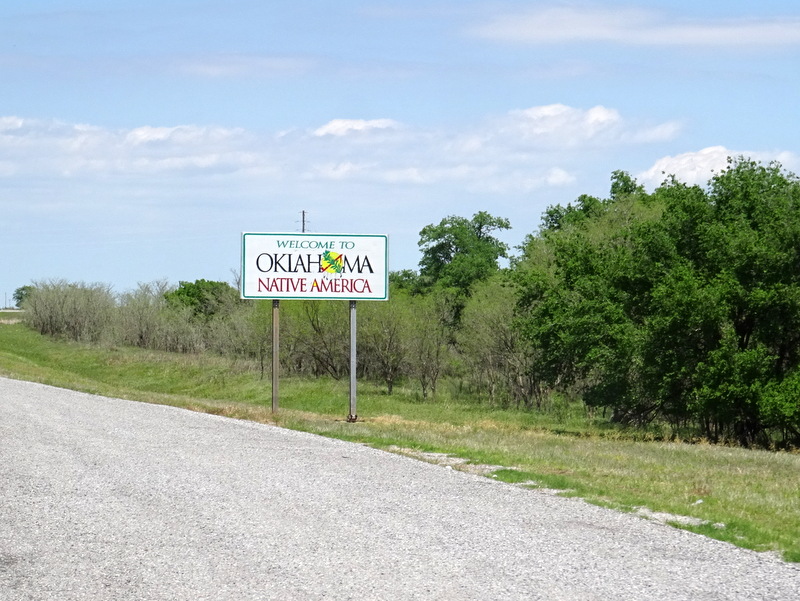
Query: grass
point(754, 494)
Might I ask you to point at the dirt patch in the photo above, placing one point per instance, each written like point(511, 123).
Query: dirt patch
point(667, 518)
point(464, 465)
point(456, 463)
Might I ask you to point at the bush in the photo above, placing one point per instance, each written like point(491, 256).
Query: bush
point(140, 321)
point(76, 311)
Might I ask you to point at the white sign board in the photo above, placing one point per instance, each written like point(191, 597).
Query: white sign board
point(315, 266)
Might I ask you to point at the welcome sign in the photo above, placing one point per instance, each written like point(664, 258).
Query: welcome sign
point(314, 266)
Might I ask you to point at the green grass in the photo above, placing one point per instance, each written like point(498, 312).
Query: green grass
point(755, 494)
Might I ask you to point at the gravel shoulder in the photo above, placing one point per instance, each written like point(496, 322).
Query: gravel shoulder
point(109, 499)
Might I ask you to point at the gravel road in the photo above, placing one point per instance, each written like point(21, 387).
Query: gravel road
point(109, 499)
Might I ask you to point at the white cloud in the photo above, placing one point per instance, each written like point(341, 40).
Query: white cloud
point(239, 65)
point(336, 171)
point(146, 134)
point(513, 152)
point(563, 123)
point(343, 127)
point(9, 124)
point(690, 167)
point(633, 26)
point(564, 126)
point(697, 168)
point(657, 133)
point(31, 146)
point(559, 177)
point(528, 149)
point(408, 175)
point(181, 135)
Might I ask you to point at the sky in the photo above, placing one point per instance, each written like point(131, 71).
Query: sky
point(138, 140)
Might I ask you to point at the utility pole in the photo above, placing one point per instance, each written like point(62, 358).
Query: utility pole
point(303, 221)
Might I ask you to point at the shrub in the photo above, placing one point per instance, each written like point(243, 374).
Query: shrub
point(76, 311)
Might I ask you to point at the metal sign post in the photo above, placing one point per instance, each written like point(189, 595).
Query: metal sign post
point(353, 416)
point(276, 355)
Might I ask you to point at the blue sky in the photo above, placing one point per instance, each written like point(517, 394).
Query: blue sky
point(139, 139)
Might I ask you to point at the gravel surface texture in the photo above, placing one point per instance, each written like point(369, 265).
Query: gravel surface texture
point(109, 499)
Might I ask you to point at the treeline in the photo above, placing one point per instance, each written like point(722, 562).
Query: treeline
point(405, 339)
point(679, 307)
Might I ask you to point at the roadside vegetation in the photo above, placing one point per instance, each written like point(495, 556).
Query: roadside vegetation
point(641, 350)
point(747, 497)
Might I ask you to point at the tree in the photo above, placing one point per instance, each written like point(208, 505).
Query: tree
point(575, 301)
point(140, 314)
point(321, 337)
point(260, 330)
point(404, 280)
point(21, 294)
point(622, 184)
point(204, 297)
point(557, 217)
point(587, 207)
point(498, 359)
point(428, 337)
point(683, 305)
point(384, 338)
point(458, 252)
point(76, 311)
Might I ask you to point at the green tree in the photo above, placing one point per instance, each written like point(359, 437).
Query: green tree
point(588, 207)
point(21, 294)
point(622, 184)
point(557, 217)
point(404, 280)
point(205, 298)
point(576, 301)
point(457, 252)
point(682, 305)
